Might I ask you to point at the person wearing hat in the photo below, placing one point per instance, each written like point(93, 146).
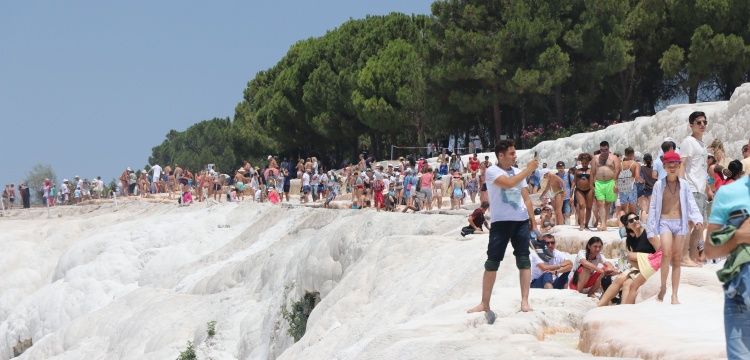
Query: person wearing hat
point(672, 212)
point(124, 177)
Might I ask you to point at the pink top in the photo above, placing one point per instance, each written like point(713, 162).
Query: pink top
point(187, 197)
point(426, 180)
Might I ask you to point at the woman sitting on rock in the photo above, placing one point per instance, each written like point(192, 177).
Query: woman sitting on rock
point(644, 255)
point(589, 267)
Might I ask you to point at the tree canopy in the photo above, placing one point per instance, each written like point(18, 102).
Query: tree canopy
point(529, 69)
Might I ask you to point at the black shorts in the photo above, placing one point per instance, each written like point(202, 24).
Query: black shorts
point(517, 232)
point(484, 187)
point(286, 188)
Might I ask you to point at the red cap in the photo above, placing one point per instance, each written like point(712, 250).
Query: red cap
point(670, 156)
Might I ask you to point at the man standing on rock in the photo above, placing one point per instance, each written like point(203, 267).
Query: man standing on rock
point(605, 168)
point(694, 169)
point(512, 220)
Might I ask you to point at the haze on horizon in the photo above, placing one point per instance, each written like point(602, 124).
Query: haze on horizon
point(91, 87)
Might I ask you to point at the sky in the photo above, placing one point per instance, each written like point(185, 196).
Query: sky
point(89, 87)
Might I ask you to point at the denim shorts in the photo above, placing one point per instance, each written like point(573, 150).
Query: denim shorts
point(566, 206)
point(737, 314)
point(503, 232)
point(628, 197)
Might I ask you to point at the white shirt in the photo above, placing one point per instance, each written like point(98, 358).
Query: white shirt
point(506, 204)
point(157, 172)
point(557, 259)
point(693, 152)
point(305, 179)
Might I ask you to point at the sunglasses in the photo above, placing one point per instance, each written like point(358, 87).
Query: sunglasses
point(550, 242)
point(703, 123)
point(633, 219)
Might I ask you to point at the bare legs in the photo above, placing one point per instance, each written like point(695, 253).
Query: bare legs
point(558, 203)
point(603, 214)
point(621, 282)
point(583, 278)
point(672, 254)
point(488, 282)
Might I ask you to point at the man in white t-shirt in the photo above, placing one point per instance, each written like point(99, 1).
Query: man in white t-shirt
point(512, 221)
point(156, 170)
point(694, 169)
point(552, 274)
point(305, 186)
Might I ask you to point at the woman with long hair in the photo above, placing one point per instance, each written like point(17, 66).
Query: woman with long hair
point(584, 194)
point(644, 256)
point(646, 185)
point(589, 268)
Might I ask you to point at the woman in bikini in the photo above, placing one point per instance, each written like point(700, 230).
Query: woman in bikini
point(473, 186)
point(583, 191)
point(437, 195)
point(456, 190)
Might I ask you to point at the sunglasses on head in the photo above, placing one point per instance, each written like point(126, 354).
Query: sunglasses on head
point(633, 219)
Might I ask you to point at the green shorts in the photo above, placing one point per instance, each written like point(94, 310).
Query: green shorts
point(605, 191)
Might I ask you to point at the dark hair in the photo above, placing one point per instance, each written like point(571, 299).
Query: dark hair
point(695, 115)
point(648, 159)
point(592, 241)
point(548, 236)
point(629, 151)
point(624, 219)
point(668, 145)
point(735, 166)
point(604, 143)
point(584, 156)
point(502, 146)
point(744, 148)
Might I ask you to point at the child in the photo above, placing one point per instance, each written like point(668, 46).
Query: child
point(273, 195)
point(187, 197)
point(673, 209)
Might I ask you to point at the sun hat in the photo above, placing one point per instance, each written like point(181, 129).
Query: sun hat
point(671, 156)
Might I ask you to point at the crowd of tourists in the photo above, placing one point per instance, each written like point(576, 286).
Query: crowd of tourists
point(663, 204)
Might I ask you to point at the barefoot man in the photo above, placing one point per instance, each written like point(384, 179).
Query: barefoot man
point(512, 220)
point(605, 168)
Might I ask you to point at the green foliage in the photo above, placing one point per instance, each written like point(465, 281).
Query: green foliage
point(188, 353)
point(35, 179)
point(211, 328)
point(300, 311)
point(486, 67)
point(207, 142)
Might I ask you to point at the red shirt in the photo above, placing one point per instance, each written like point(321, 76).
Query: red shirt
point(478, 216)
point(473, 164)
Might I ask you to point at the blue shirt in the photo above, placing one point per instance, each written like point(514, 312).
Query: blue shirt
point(730, 198)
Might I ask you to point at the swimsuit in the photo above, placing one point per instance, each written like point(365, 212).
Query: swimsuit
point(604, 190)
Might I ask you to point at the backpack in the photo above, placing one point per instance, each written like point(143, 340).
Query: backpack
point(540, 247)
